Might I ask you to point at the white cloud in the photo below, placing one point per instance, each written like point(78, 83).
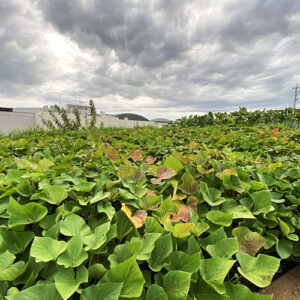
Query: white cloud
point(157, 58)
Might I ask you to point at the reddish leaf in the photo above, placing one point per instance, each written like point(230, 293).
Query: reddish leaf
point(150, 193)
point(165, 173)
point(155, 181)
point(192, 202)
point(274, 132)
point(136, 155)
point(183, 214)
point(112, 153)
point(150, 160)
point(189, 186)
point(138, 218)
point(193, 145)
point(137, 175)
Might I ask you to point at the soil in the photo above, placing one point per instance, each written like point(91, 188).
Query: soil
point(286, 287)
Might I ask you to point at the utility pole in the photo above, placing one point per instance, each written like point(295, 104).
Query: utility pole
point(296, 88)
point(79, 101)
point(59, 97)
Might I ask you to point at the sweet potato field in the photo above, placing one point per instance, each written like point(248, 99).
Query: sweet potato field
point(171, 213)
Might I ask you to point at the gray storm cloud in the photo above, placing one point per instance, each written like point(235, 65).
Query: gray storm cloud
point(158, 58)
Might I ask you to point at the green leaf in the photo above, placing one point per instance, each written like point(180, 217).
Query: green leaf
point(24, 214)
point(37, 292)
point(14, 241)
point(53, 194)
point(214, 237)
point(148, 243)
point(238, 211)
point(285, 229)
point(182, 230)
point(67, 281)
point(156, 292)
point(165, 208)
point(12, 291)
point(123, 252)
point(224, 248)
point(173, 163)
point(285, 248)
point(13, 271)
point(184, 262)
point(84, 187)
point(152, 225)
point(177, 284)
point(108, 291)
point(258, 270)
point(189, 185)
point(74, 225)
point(262, 201)
point(214, 270)
point(241, 292)
point(162, 248)
point(211, 195)
point(193, 246)
point(128, 273)
point(124, 225)
point(6, 260)
point(201, 290)
point(25, 189)
point(8, 270)
point(3, 289)
point(96, 271)
point(74, 255)
point(46, 249)
point(107, 208)
point(97, 239)
point(249, 242)
point(99, 196)
point(219, 218)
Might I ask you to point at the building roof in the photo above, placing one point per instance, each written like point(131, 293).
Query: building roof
point(161, 120)
point(6, 109)
point(27, 109)
point(132, 117)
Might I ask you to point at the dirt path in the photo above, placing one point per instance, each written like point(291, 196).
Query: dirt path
point(287, 287)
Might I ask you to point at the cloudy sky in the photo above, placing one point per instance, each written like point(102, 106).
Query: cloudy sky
point(159, 58)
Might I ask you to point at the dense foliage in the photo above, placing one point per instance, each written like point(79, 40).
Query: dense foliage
point(59, 118)
point(288, 116)
point(195, 213)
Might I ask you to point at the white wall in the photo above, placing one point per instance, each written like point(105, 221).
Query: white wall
point(10, 121)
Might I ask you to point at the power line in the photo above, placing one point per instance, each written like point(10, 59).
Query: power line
point(296, 88)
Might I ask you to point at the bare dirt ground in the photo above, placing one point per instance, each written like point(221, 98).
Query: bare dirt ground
point(286, 287)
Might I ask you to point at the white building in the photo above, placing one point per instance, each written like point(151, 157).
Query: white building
point(83, 109)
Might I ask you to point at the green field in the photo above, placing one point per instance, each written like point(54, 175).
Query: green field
point(172, 213)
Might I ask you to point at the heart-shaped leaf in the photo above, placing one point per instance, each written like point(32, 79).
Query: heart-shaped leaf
point(258, 270)
point(128, 273)
point(74, 255)
point(67, 281)
point(46, 249)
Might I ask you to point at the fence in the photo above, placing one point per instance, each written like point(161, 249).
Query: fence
point(10, 121)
